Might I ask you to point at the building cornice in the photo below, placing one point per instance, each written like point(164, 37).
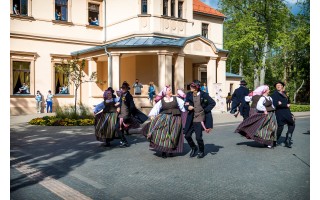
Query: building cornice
point(53, 39)
point(209, 15)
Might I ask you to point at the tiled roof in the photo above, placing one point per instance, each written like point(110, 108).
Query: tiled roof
point(146, 42)
point(201, 7)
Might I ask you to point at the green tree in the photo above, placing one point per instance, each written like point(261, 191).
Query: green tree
point(74, 70)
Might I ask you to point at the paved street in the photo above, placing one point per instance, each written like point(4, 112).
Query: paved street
point(68, 163)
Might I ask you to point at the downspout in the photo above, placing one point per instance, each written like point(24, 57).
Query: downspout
point(105, 47)
point(105, 21)
point(109, 66)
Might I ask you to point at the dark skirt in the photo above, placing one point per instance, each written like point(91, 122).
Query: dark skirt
point(104, 126)
point(166, 133)
point(252, 111)
point(259, 127)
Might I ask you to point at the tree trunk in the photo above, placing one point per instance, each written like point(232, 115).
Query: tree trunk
point(75, 100)
point(296, 92)
point(256, 77)
point(241, 68)
point(264, 58)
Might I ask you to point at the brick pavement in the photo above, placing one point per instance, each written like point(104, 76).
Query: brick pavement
point(233, 168)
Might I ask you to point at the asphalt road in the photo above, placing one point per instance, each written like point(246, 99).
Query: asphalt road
point(68, 163)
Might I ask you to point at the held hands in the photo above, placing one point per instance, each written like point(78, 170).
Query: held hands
point(189, 107)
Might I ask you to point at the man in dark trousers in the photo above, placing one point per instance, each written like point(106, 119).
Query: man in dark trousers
point(130, 114)
point(284, 116)
point(197, 103)
point(238, 100)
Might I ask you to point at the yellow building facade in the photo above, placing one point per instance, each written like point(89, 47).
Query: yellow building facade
point(168, 42)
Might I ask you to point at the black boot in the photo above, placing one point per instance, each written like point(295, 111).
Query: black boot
point(124, 142)
point(193, 151)
point(200, 154)
point(288, 141)
point(107, 144)
point(164, 155)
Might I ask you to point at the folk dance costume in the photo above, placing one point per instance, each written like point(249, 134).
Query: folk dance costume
point(238, 100)
point(106, 118)
point(197, 102)
point(283, 113)
point(132, 117)
point(262, 125)
point(165, 129)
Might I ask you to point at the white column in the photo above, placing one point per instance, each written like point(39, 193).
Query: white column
point(168, 70)
point(179, 72)
point(211, 74)
point(92, 68)
point(221, 71)
point(161, 70)
point(115, 71)
point(222, 79)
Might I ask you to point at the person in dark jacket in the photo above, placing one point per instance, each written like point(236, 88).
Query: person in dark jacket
point(238, 100)
point(132, 117)
point(197, 103)
point(284, 116)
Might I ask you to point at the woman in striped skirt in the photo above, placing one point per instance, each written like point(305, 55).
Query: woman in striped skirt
point(262, 125)
point(165, 129)
point(106, 118)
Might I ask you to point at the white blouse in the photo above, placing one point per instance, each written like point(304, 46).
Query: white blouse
point(262, 100)
point(100, 106)
point(157, 107)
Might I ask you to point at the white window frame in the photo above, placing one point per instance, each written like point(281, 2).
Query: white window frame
point(23, 57)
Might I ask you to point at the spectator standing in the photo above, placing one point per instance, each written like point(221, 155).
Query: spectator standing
point(49, 101)
point(38, 101)
point(137, 87)
point(151, 92)
point(204, 88)
point(229, 101)
point(16, 10)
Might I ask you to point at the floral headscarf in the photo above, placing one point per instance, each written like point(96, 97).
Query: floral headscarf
point(162, 93)
point(260, 90)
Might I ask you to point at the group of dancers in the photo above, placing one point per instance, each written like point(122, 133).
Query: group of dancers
point(175, 117)
point(265, 118)
point(172, 119)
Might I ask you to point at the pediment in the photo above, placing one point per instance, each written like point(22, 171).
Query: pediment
point(200, 47)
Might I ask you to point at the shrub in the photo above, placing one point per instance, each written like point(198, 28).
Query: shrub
point(299, 108)
point(66, 116)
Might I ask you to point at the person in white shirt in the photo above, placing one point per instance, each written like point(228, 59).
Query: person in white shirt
point(106, 118)
point(262, 125)
point(165, 129)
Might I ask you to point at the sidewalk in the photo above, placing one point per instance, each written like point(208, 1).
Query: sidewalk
point(218, 118)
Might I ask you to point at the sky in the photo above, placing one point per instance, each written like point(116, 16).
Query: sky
point(291, 3)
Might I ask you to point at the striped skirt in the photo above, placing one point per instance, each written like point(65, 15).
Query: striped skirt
point(104, 126)
point(259, 127)
point(166, 133)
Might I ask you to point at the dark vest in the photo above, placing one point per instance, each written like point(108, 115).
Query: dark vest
point(255, 100)
point(170, 107)
point(109, 107)
point(268, 105)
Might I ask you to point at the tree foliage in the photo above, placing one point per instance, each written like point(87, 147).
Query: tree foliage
point(268, 43)
point(74, 70)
